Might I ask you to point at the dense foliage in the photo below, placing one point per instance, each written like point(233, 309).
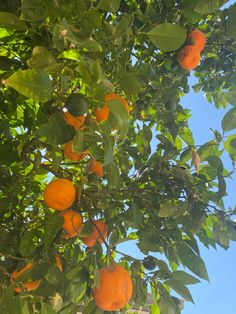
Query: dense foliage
point(159, 189)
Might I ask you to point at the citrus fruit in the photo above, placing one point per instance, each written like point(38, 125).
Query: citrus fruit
point(59, 194)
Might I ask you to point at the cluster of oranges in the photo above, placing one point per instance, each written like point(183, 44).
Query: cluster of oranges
point(189, 56)
point(115, 285)
point(101, 114)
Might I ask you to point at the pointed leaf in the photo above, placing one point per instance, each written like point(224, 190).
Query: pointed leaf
point(178, 287)
point(184, 277)
point(53, 225)
point(191, 260)
point(229, 120)
point(34, 84)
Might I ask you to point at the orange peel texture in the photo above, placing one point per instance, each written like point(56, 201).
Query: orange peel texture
point(59, 194)
point(73, 224)
point(115, 288)
point(197, 39)
point(188, 57)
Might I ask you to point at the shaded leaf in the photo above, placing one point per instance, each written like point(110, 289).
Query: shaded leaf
point(11, 21)
point(108, 5)
point(34, 84)
point(53, 225)
point(178, 287)
point(56, 131)
point(190, 259)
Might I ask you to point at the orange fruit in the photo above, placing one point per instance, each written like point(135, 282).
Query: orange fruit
point(73, 223)
point(188, 57)
point(95, 235)
point(113, 96)
point(197, 39)
point(95, 167)
point(76, 122)
point(28, 286)
point(70, 154)
point(59, 194)
point(115, 288)
point(102, 114)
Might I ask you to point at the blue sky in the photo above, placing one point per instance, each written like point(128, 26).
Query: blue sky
point(218, 296)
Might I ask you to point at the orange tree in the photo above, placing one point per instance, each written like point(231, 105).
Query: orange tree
point(90, 99)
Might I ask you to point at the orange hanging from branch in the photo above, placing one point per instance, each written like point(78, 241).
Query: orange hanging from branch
point(115, 288)
point(188, 57)
point(95, 235)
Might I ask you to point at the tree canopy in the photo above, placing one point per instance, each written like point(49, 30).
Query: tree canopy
point(90, 92)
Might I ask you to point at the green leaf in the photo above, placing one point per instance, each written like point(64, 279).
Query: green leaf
point(11, 21)
point(220, 233)
point(34, 84)
point(216, 163)
point(108, 153)
point(230, 23)
point(167, 209)
point(46, 308)
point(113, 175)
point(77, 288)
point(230, 146)
point(229, 120)
point(78, 142)
point(32, 10)
point(28, 243)
point(137, 215)
point(167, 36)
point(155, 309)
point(130, 84)
point(56, 131)
point(109, 5)
point(184, 277)
point(53, 225)
point(72, 272)
point(178, 287)
point(96, 276)
point(209, 6)
point(119, 117)
point(190, 259)
point(41, 58)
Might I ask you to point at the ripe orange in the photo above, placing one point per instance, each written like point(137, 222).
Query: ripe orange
point(28, 286)
point(76, 122)
point(59, 194)
point(115, 288)
point(188, 57)
point(95, 235)
point(72, 224)
point(95, 167)
point(102, 114)
point(70, 154)
point(197, 39)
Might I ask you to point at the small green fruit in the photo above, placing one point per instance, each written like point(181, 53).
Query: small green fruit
point(77, 104)
point(149, 263)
